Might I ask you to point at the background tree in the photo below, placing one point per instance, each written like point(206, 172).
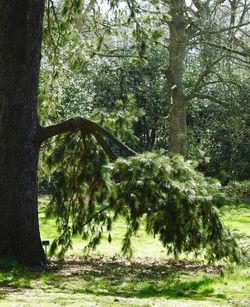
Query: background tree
point(212, 32)
point(212, 77)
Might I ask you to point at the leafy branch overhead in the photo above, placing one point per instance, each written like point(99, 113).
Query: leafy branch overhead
point(165, 193)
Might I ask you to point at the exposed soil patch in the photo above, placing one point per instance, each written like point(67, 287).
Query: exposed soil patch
point(142, 266)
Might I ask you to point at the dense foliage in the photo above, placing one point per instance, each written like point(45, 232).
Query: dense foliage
point(166, 194)
point(114, 69)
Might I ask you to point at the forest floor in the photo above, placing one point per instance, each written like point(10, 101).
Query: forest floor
point(149, 278)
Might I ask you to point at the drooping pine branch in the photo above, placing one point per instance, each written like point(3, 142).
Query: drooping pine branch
point(79, 123)
point(175, 202)
point(105, 146)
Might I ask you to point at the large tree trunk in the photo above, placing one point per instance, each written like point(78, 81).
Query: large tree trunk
point(177, 98)
point(20, 52)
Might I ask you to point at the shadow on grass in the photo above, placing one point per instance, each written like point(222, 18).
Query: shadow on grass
point(14, 277)
point(103, 276)
point(142, 278)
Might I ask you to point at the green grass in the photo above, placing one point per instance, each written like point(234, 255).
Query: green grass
point(144, 246)
point(148, 279)
point(238, 218)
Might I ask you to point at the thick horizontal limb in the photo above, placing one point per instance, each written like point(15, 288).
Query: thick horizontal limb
point(105, 146)
point(80, 123)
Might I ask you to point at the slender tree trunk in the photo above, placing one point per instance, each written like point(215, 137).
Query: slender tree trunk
point(20, 52)
point(177, 98)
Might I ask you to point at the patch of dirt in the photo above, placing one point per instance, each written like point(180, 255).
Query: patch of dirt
point(138, 267)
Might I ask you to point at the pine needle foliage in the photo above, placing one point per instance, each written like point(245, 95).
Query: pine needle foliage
point(177, 202)
point(164, 193)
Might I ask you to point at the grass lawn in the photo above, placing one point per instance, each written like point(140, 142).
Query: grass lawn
point(150, 278)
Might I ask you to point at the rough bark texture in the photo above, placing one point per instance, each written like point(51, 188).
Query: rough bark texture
point(20, 52)
point(178, 101)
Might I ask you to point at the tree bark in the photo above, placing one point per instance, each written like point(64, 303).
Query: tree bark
point(20, 53)
point(177, 98)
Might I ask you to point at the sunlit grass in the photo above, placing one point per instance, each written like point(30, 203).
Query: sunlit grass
point(108, 282)
point(144, 245)
point(238, 218)
point(106, 279)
